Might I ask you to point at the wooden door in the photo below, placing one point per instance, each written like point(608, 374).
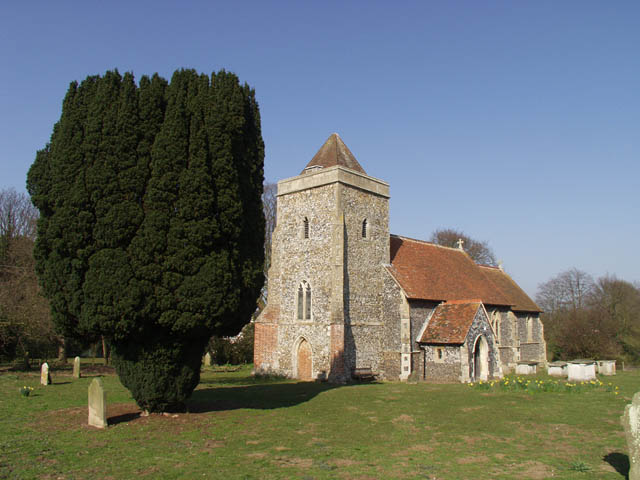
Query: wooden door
point(304, 361)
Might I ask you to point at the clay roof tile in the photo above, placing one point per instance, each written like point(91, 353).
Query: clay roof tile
point(432, 272)
point(334, 152)
point(519, 300)
point(450, 323)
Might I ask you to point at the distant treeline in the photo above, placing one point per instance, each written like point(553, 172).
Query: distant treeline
point(587, 318)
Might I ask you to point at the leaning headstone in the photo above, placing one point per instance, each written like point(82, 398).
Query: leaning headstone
point(207, 360)
point(631, 424)
point(45, 376)
point(76, 367)
point(97, 404)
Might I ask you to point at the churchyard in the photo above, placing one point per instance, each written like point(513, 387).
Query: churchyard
point(240, 427)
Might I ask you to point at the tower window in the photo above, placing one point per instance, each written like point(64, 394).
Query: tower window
point(365, 227)
point(300, 302)
point(304, 301)
point(306, 227)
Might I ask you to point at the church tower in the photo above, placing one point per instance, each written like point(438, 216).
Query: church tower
point(323, 317)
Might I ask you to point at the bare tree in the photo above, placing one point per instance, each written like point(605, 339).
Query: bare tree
point(25, 321)
point(18, 216)
point(584, 318)
point(26, 328)
point(618, 301)
point(570, 289)
point(269, 205)
point(585, 333)
point(479, 251)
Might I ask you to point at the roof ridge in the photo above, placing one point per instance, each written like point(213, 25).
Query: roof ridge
point(494, 267)
point(470, 301)
point(425, 242)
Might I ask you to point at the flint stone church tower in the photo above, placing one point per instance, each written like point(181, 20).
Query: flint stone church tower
point(345, 296)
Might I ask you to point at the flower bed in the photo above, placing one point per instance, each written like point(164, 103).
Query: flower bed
point(536, 385)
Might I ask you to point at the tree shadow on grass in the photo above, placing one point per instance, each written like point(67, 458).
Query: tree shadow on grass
point(124, 418)
point(258, 396)
point(619, 461)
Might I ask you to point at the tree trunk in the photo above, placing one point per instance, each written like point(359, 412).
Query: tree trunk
point(105, 351)
point(62, 350)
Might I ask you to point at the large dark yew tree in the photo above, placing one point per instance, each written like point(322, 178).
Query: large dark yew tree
point(151, 228)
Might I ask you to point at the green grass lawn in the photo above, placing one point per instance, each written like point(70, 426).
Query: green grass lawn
point(246, 428)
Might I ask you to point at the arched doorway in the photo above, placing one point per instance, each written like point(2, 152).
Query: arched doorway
point(303, 361)
point(481, 359)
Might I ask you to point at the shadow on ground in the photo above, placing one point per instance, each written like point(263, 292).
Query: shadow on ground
point(619, 461)
point(123, 418)
point(259, 396)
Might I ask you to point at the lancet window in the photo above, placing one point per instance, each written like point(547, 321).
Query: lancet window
point(304, 301)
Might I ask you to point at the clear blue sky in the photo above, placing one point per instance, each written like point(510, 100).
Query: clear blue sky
point(517, 122)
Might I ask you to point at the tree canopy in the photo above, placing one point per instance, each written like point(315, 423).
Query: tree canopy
point(151, 229)
point(478, 250)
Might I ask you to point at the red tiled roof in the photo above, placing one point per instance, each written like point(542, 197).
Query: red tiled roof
point(450, 323)
point(519, 300)
point(431, 272)
point(335, 152)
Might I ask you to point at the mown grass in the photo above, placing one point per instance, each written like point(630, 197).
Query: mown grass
point(240, 427)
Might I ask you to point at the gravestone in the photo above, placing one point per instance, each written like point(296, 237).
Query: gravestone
point(557, 369)
point(581, 370)
point(207, 360)
point(526, 368)
point(97, 404)
point(607, 367)
point(76, 367)
point(631, 424)
point(45, 376)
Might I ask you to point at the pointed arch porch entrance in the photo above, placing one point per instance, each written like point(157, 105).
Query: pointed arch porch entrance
point(481, 359)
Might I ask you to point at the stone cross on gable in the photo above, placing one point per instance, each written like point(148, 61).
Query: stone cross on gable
point(459, 243)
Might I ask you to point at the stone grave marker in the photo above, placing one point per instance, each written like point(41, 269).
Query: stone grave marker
point(607, 367)
point(581, 370)
point(526, 368)
point(207, 360)
point(76, 367)
point(45, 376)
point(631, 424)
point(557, 369)
point(97, 404)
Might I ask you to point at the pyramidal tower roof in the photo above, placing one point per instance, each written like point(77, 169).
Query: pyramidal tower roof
point(333, 152)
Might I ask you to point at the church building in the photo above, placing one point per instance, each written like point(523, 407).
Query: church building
point(345, 296)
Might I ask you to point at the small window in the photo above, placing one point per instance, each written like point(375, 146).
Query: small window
point(365, 226)
point(439, 358)
point(306, 227)
point(300, 302)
